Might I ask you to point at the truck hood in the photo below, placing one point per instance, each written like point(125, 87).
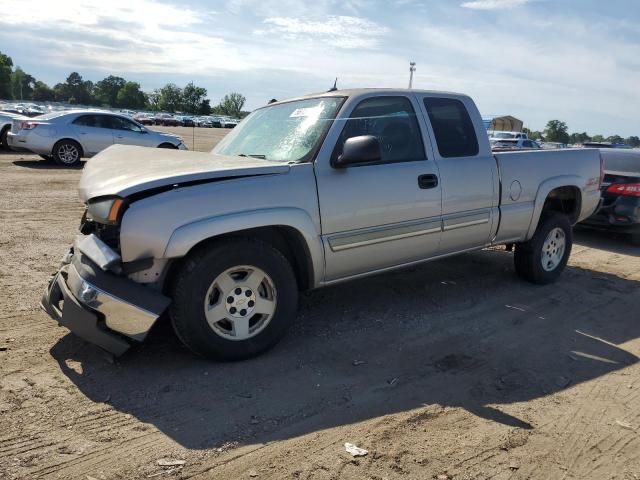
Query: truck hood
point(123, 170)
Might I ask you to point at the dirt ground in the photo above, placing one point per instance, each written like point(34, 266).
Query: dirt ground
point(453, 370)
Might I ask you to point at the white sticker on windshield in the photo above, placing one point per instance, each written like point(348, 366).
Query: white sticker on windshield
point(306, 112)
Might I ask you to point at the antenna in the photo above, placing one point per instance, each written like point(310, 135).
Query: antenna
point(412, 68)
point(335, 86)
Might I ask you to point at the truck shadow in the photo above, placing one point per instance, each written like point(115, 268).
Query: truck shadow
point(464, 332)
point(606, 240)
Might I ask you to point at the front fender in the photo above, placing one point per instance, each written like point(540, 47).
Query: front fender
point(547, 187)
point(187, 236)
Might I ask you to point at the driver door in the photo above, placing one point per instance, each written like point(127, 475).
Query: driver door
point(376, 216)
point(126, 132)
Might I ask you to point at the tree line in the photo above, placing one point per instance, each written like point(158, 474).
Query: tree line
point(558, 131)
point(115, 92)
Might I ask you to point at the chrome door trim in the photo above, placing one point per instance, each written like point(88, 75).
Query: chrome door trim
point(465, 220)
point(383, 234)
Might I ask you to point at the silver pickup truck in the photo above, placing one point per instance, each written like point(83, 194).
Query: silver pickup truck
point(305, 193)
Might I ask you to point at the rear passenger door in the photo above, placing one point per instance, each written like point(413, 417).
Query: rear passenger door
point(94, 132)
point(381, 214)
point(468, 172)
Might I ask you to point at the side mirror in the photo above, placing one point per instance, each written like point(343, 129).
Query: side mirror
point(356, 150)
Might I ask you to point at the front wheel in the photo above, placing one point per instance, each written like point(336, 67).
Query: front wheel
point(542, 259)
point(233, 300)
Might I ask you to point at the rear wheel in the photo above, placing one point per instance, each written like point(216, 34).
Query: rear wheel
point(67, 153)
point(234, 300)
point(3, 138)
point(542, 259)
point(167, 145)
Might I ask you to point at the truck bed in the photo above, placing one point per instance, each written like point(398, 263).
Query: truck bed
point(523, 178)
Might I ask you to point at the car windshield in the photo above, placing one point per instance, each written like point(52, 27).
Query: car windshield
point(503, 135)
point(286, 132)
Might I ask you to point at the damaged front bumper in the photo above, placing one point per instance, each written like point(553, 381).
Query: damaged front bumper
point(98, 305)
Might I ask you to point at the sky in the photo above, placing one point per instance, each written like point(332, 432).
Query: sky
point(574, 60)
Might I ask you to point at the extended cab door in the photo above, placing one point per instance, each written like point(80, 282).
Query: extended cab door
point(382, 214)
point(468, 171)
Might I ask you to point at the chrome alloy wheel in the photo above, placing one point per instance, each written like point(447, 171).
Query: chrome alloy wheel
point(240, 302)
point(553, 249)
point(68, 153)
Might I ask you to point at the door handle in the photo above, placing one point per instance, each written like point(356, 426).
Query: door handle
point(119, 136)
point(428, 181)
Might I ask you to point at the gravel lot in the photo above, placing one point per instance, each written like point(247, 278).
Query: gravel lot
point(453, 370)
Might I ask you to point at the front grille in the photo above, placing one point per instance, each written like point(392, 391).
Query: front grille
point(109, 234)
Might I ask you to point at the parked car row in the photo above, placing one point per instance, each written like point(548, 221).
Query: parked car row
point(170, 120)
point(209, 121)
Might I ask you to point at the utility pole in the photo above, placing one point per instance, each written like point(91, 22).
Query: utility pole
point(412, 68)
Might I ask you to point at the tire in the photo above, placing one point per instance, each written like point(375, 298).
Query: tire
point(213, 279)
point(167, 145)
point(3, 138)
point(67, 153)
point(542, 259)
point(635, 239)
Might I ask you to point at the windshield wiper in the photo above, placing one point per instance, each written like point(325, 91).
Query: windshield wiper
point(254, 155)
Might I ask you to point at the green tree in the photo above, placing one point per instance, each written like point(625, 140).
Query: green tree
point(232, 104)
point(60, 92)
point(130, 96)
point(106, 90)
point(153, 100)
point(579, 137)
point(597, 138)
point(204, 108)
point(192, 97)
point(556, 131)
point(75, 90)
point(633, 141)
point(170, 97)
point(42, 92)
point(615, 139)
point(6, 65)
point(22, 84)
point(535, 135)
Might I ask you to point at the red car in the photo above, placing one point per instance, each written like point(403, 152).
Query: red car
point(165, 119)
point(143, 118)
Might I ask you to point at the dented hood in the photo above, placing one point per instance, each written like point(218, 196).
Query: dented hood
point(123, 170)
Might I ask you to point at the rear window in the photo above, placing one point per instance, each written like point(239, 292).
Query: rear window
point(452, 127)
point(49, 116)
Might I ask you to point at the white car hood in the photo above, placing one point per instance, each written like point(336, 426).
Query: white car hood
point(123, 170)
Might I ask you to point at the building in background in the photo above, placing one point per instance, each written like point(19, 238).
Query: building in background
point(502, 123)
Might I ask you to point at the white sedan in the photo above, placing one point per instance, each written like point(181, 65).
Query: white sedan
point(67, 136)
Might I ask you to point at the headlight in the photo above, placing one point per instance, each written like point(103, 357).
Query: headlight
point(106, 210)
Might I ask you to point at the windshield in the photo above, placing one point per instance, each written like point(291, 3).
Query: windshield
point(503, 135)
point(287, 132)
